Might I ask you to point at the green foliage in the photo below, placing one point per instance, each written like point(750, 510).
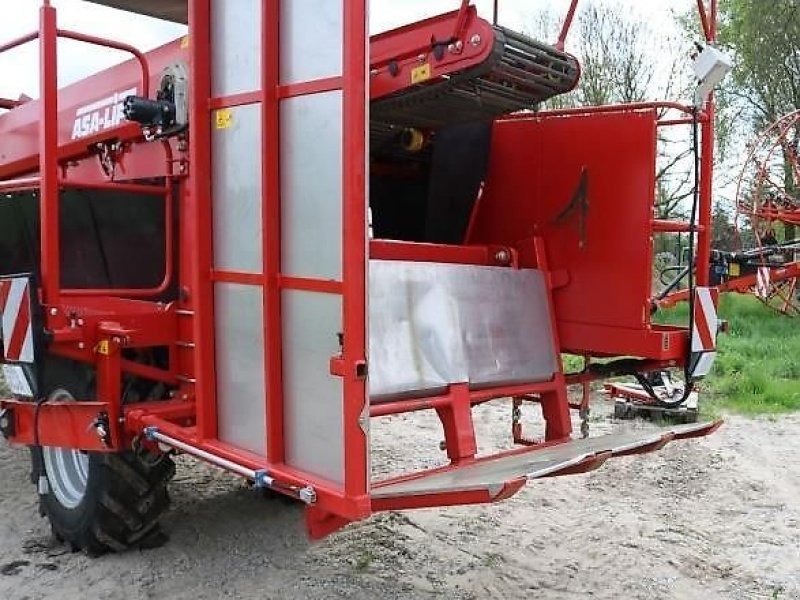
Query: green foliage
point(764, 38)
point(572, 363)
point(757, 370)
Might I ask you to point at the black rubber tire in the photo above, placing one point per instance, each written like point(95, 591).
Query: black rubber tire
point(126, 493)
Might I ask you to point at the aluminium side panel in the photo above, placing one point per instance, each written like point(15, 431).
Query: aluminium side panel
point(237, 207)
point(321, 158)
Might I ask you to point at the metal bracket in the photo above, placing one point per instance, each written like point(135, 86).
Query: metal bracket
point(308, 495)
point(7, 423)
point(263, 480)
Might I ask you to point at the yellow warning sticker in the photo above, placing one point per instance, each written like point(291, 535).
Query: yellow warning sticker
point(102, 347)
point(734, 270)
point(421, 73)
point(184, 42)
point(223, 118)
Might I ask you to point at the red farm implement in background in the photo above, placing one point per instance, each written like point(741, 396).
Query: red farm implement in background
point(248, 244)
point(768, 200)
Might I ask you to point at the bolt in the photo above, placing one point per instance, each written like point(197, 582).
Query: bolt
point(81, 345)
point(421, 58)
point(53, 312)
point(475, 40)
point(443, 445)
point(116, 339)
point(80, 322)
point(502, 257)
point(456, 47)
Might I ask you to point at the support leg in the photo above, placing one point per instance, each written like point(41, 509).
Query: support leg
point(459, 431)
point(555, 409)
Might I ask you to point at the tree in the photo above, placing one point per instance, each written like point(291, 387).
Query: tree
point(724, 235)
point(764, 38)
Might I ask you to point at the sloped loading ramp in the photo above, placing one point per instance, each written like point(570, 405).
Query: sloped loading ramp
point(496, 477)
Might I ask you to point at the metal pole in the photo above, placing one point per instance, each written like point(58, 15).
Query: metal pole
point(48, 154)
point(705, 234)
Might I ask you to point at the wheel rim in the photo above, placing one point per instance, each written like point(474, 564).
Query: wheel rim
point(67, 470)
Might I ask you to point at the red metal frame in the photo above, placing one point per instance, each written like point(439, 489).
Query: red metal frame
point(395, 55)
point(95, 326)
point(741, 285)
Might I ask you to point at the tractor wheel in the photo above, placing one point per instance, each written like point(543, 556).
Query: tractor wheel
point(98, 502)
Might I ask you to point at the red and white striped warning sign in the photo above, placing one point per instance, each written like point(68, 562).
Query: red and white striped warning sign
point(704, 330)
point(704, 336)
point(762, 282)
point(15, 307)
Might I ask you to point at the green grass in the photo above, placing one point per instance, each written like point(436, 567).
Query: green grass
point(757, 370)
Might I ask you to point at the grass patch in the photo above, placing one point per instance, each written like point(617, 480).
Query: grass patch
point(757, 370)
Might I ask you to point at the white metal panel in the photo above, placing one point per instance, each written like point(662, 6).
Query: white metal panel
point(433, 324)
point(311, 186)
point(241, 395)
point(235, 46)
point(312, 34)
point(312, 397)
point(236, 156)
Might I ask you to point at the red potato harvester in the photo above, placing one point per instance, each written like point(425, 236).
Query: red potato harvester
point(250, 243)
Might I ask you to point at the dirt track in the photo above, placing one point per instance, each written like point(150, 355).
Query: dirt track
point(716, 518)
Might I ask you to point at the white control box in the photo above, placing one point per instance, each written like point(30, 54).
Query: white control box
point(710, 67)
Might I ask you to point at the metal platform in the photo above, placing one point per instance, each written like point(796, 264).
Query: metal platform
point(492, 475)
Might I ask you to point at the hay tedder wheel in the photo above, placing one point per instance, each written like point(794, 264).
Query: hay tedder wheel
point(768, 197)
point(784, 297)
point(94, 501)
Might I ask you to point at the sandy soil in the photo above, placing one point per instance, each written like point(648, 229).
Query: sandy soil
point(714, 518)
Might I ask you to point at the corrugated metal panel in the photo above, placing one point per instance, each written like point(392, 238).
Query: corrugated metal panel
point(171, 10)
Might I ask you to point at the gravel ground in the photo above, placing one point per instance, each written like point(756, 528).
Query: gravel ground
point(712, 518)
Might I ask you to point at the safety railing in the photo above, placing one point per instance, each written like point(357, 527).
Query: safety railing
point(50, 183)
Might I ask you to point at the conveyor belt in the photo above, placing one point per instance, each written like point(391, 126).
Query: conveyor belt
point(519, 74)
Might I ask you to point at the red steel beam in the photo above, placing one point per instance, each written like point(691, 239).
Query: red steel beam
point(562, 37)
point(708, 131)
point(354, 253)
point(50, 230)
point(271, 185)
point(739, 284)
point(199, 230)
point(667, 226)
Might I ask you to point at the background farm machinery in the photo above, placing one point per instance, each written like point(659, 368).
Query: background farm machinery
point(249, 243)
point(768, 214)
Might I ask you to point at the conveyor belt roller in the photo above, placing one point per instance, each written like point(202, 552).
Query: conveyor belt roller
point(517, 73)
